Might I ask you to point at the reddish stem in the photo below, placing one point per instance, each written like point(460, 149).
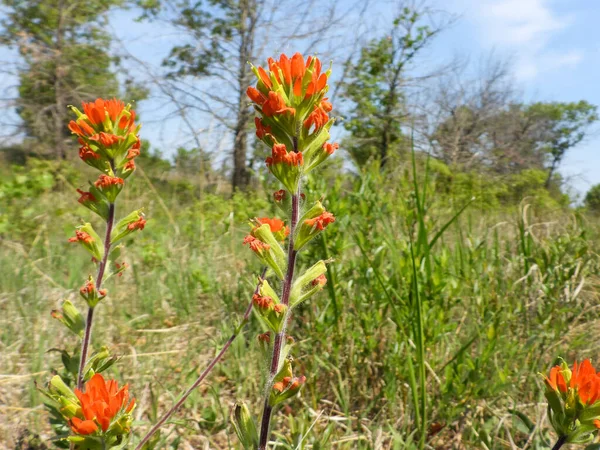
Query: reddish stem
point(203, 375)
point(90, 317)
point(280, 337)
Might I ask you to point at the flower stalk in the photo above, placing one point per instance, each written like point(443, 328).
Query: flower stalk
point(204, 373)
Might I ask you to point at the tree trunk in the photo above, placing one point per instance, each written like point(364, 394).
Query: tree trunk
point(59, 113)
point(241, 178)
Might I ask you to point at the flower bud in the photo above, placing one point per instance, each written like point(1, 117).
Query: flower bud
point(308, 284)
point(311, 224)
point(90, 294)
point(110, 186)
point(95, 201)
point(264, 244)
point(87, 236)
point(244, 426)
point(285, 385)
point(70, 317)
point(127, 225)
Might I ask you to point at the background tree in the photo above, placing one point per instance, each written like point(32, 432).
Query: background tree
point(219, 37)
point(592, 199)
point(376, 86)
point(64, 47)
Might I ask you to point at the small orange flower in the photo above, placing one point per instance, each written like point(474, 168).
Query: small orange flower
point(100, 403)
point(279, 308)
point(319, 116)
point(129, 165)
point(256, 245)
point(256, 96)
point(86, 153)
point(584, 380)
point(279, 195)
point(265, 337)
point(106, 181)
point(330, 148)
point(86, 197)
point(321, 221)
point(321, 280)
point(276, 225)
point(279, 154)
point(106, 139)
point(261, 130)
point(88, 288)
point(82, 236)
point(137, 225)
point(262, 302)
point(275, 105)
point(133, 152)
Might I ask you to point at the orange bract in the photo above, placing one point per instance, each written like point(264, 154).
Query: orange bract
point(96, 111)
point(279, 154)
point(275, 224)
point(137, 225)
point(584, 380)
point(82, 236)
point(256, 245)
point(100, 403)
point(320, 222)
point(105, 181)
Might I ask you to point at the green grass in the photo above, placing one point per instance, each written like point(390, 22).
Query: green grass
point(430, 319)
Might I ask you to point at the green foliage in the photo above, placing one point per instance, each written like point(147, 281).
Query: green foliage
point(375, 89)
point(592, 199)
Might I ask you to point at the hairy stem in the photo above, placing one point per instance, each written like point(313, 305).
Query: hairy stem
point(206, 371)
point(90, 317)
point(559, 443)
point(280, 337)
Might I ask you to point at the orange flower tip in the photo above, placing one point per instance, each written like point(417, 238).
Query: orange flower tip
point(290, 340)
point(256, 245)
point(83, 427)
point(279, 308)
point(330, 148)
point(264, 337)
point(321, 280)
point(262, 302)
point(105, 181)
point(279, 386)
point(279, 195)
point(106, 139)
point(82, 236)
point(102, 292)
point(275, 224)
point(133, 152)
point(321, 221)
point(280, 155)
point(86, 153)
point(137, 225)
point(275, 105)
point(129, 166)
point(597, 423)
point(56, 314)
point(85, 197)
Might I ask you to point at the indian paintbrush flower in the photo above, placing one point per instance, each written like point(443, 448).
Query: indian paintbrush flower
point(574, 401)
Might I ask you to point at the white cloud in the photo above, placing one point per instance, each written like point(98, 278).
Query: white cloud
point(526, 29)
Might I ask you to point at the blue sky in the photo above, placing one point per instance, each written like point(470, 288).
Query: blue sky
point(554, 49)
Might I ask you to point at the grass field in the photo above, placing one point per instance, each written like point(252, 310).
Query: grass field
point(423, 331)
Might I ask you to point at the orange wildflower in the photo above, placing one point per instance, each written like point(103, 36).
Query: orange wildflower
point(86, 153)
point(291, 72)
point(262, 302)
point(256, 245)
point(133, 152)
point(584, 380)
point(137, 225)
point(129, 165)
point(106, 139)
point(265, 337)
point(319, 116)
point(81, 128)
point(279, 154)
point(330, 148)
point(279, 195)
point(321, 221)
point(86, 197)
point(275, 224)
point(105, 181)
point(96, 111)
point(82, 236)
point(100, 403)
point(256, 96)
point(261, 130)
point(275, 105)
point(321, 280)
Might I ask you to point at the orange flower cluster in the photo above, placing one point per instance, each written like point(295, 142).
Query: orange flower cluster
point(321, 221)
point(256, 245)
point(318, 117)
point(89, 288)
point(289, 383)
point(106, 181)
point(85, 197)
point(97, 112)
point(280, 155)
point(137, 225)
point(82, 236)
point(584, 380)
point(262, 302)
point(100, 404)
